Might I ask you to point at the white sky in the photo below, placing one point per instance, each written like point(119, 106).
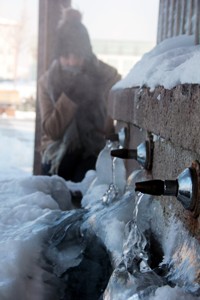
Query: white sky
point(127, 19)
point(109, 19)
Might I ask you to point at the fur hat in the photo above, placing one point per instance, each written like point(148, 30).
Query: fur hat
point(72, 35)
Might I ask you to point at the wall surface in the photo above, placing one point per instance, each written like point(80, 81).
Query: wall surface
point(172, 116)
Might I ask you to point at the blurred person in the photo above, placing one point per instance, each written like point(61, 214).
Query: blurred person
point(73, 96)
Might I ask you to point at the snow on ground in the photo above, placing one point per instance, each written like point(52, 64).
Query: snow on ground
point(168, 293)
point(174, 61)
point(29, 206)
point(17, 144)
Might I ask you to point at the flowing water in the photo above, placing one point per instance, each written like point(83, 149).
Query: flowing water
point(117, 185)
point(134, 277)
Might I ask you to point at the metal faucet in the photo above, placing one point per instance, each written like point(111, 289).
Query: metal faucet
point(185, 188)
point(143, 154)
point(121, 137)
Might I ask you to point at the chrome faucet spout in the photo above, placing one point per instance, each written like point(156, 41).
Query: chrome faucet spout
point(151, 187)
point(143, 154)
point(122, 137)
point(124, 153)
point(186, 188)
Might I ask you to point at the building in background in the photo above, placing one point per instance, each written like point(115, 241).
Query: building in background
point(121, 54)
point(18, 60)
point(8, 49)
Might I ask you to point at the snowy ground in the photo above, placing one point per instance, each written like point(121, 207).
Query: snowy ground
point(17, 144)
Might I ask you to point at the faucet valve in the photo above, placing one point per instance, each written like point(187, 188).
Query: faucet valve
point(186, 188)
point(121, 136)
point(143, 154)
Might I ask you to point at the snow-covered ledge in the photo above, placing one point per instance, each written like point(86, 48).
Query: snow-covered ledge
point(161, 95)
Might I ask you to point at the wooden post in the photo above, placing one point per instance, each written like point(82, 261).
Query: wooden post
point(49, 14)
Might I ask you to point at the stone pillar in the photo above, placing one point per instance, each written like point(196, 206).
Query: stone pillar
point(178, 17)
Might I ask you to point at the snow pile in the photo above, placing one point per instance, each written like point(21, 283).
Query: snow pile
point(17, 159)
point(29, 206)
point(17, 144)
point(174, 61)
point(168, 293)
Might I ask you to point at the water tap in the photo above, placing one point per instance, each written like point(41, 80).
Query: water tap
point(143, 154)
point(186, 188)
point(121, 137)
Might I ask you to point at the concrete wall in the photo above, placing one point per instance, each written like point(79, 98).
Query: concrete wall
point(172, 116)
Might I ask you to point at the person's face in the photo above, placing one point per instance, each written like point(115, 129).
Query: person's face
point(71, 60)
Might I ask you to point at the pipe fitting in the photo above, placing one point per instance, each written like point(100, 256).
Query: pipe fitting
point(121, 137)
point(186, 188)
point(143, 154)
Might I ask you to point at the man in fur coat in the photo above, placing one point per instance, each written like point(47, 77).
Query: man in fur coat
point(73, 103)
